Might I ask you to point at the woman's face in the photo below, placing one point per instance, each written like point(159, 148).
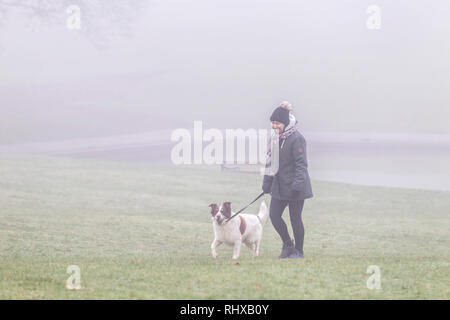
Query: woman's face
point(278, 125)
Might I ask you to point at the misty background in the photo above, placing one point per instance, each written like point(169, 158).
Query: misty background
point(373, 105)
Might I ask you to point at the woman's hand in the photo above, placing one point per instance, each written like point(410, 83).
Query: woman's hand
point(266, 188)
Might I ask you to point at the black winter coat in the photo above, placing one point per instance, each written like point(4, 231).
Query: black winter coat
point(292, 181)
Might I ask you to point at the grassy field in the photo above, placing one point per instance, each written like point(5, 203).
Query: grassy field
point(143, 232)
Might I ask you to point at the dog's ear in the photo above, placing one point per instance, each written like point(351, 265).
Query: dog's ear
point(214, 208)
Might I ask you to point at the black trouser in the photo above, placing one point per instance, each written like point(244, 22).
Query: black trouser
point(277, 207)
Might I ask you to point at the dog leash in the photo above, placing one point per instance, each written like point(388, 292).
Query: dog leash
point(234, 215)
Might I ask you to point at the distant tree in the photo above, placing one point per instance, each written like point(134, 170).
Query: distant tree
point(99, 19)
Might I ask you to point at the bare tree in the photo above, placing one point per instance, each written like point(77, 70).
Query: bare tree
point(99, 19)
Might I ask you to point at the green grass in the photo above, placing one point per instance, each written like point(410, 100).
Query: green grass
point(144, 232)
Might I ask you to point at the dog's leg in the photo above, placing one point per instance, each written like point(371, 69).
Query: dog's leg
point(256, 252)
point(254, 249)
point(237, 249)
point(251, 246)
point(214, 245)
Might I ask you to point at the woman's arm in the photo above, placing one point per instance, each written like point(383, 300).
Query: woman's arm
point(267, 183)
point(301, 164)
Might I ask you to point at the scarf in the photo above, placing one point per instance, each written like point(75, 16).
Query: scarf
point(273, 143)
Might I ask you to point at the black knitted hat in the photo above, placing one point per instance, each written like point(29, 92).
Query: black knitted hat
point(280, 114)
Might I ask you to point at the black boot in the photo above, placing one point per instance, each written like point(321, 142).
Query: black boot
point(288, 249)
point(296, 253)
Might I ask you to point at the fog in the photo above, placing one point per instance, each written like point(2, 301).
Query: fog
point(146, 66)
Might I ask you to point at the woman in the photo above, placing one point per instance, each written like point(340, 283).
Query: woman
point(291, 184)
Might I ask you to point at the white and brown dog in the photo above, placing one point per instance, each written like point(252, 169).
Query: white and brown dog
point(245, 228)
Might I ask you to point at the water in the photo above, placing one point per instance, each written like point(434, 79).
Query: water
point(394, 160)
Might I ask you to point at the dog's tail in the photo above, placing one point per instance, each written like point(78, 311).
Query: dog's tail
point(263, 213)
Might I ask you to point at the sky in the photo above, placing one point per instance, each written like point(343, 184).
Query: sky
point(226, 63)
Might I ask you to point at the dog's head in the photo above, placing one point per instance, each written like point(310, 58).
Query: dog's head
point(220, 213)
